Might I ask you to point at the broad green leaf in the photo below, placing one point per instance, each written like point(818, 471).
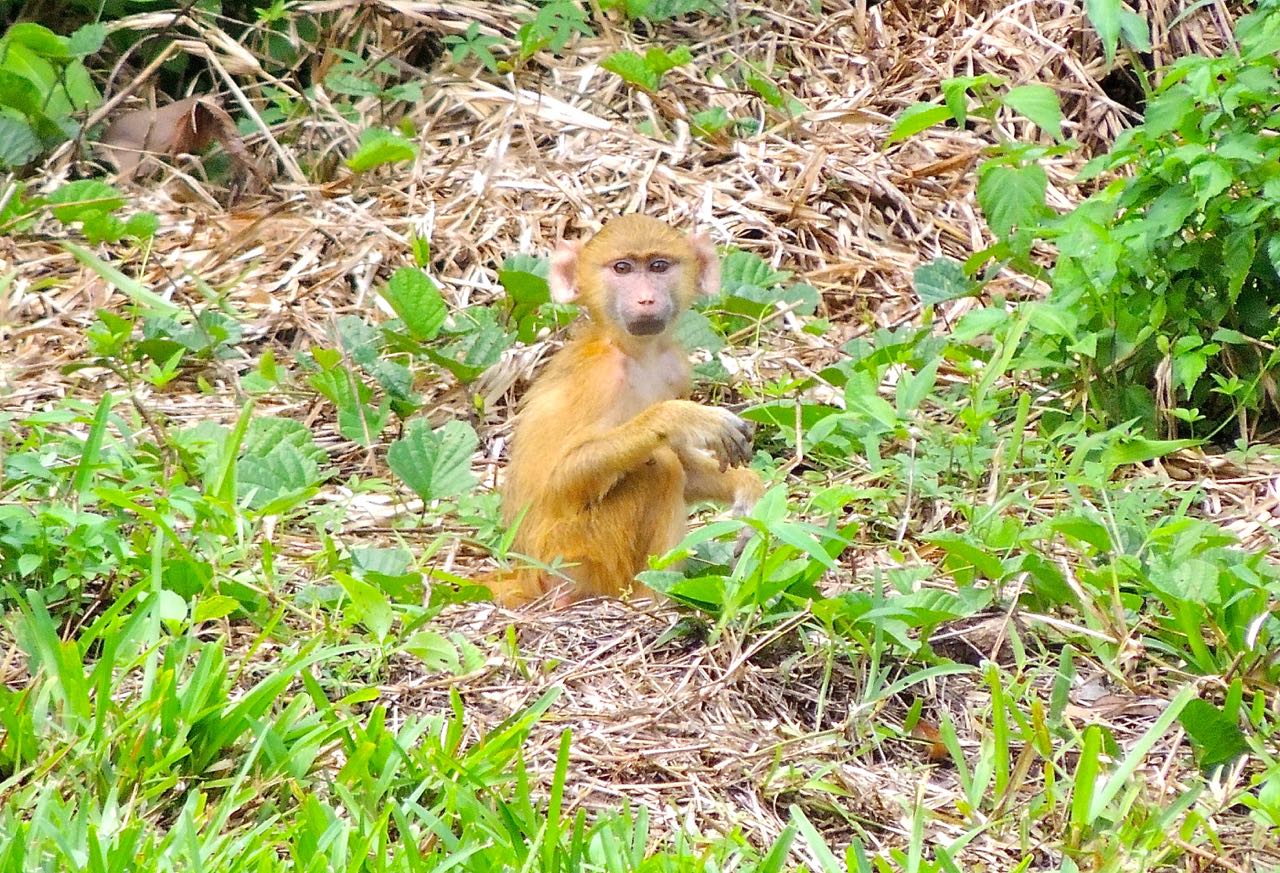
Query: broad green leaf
point(418, 302)
point(20, 93)
point(740, 269)
point(38, 38)
point(214, 607)
point(86, 40)
point(370, 606)
point(285, 472)
point(940, 280)
point(633, 70)
point(524, 286)
point(75, 200)
point(1217, 735)
point(19, 144)
point(1040, 104)
point(266, 433)
point(435, 464)
point(379, 147)
point(1194, 580)
point(1135, 30)
point(1012, 197)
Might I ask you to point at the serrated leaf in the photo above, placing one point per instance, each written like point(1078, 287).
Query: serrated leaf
point(694, 331)
point(1012, 197)
point(632, 69)
point(1040, 104)
point(739, 268)
point(361, 340)
point(417, 301)
point(940, 280)
point(76, 200)
point(435, 464)
point(142, 225)
point(266, 433)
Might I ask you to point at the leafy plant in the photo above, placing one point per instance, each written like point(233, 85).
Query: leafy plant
point(646, 71)
point(379, 148)
point(1166, 288)
point(44, 85)
point(473, 44)
point(552, 26)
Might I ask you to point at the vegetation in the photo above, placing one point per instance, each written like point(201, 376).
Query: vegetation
point(1009, 603)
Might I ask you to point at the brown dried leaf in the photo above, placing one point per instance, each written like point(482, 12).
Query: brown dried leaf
point(187, 126)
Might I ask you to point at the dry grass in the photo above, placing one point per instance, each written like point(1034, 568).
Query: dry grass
point(716, 736)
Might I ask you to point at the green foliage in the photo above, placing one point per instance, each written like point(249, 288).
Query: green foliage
point(662, 10)
point(646, 71)
point(1166, 284)
point(473, 43)
point(435, 463)
point(89, 203)
point(379, 148)
point(552, 27)
point(1038, 103)
point(44, 88)
point(1114, 20)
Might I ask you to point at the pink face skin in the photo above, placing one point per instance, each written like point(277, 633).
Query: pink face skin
point(642, 292)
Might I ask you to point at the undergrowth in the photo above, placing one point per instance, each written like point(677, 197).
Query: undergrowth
point(193, 692)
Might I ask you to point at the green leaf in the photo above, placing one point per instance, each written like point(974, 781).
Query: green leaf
point(19, 144)
point(1012, 197)
point(1040, 104)
point(1134, 29)
point(693, 331)
point(277, 480)
point(214, 607)
point(1104, 15)
point(142, 225)
point(940, 280)
point(379, 147)
point(370, 606)
point(633, 70)
point(39, 39)
point(417, 301)
point(76, 200)
point(1216, 734)
point(1193, 580)
point(479, 344)
point(740, 269)
point(661, 61)
point(916, 118)
point(20, 93)
point(524, 286)
point(435, 464)
point(87, 39)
